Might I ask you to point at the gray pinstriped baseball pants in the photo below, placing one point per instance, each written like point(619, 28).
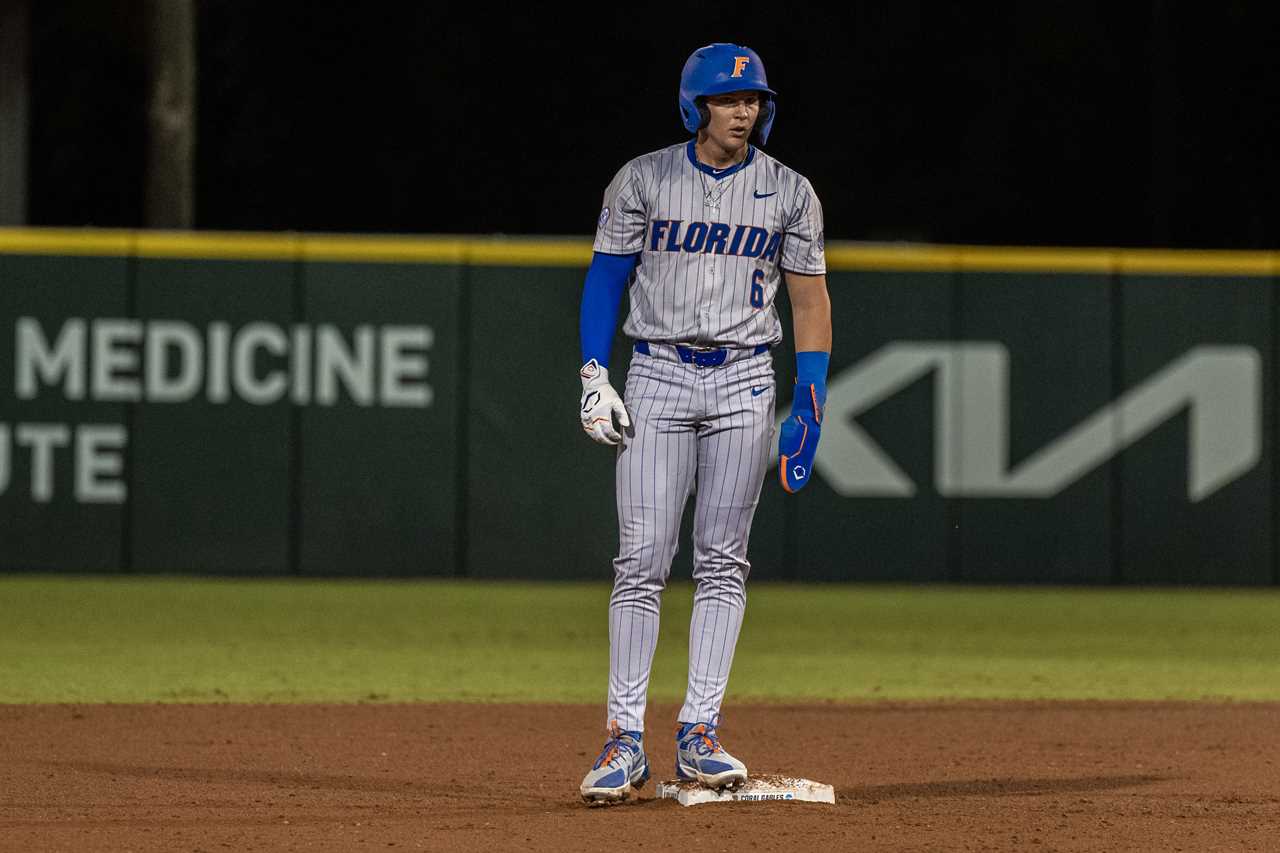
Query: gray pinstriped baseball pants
point(712, 426)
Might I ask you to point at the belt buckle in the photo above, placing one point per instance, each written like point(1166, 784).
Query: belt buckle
point(702, 356)
point(709, 356)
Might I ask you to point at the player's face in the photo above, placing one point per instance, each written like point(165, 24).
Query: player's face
point(733, 115)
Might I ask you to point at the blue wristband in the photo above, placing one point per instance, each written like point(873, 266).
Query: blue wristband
point(811, 367)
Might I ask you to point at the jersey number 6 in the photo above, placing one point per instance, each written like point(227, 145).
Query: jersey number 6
point(757, 289)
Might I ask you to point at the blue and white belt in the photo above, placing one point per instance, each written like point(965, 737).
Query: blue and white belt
point(699, 356)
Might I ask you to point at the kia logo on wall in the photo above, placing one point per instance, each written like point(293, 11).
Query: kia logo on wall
point(1219, 386)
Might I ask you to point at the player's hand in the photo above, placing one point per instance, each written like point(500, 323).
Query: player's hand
point(603, 414)
point(798, 439)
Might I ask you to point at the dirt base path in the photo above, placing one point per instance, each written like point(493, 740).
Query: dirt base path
point(973, 776)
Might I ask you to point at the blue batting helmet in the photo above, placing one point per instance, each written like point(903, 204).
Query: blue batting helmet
point(719, 68)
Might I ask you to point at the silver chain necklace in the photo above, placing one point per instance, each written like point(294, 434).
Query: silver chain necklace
point(711, 198)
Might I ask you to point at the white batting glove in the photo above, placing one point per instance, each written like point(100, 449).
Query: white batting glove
point(603, 414)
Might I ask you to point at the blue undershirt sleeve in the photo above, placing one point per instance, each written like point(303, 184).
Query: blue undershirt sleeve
point(601, 296)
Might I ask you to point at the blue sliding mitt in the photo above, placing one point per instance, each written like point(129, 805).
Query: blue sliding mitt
point(798, 439)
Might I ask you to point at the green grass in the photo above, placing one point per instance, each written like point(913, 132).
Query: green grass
point(161, 639)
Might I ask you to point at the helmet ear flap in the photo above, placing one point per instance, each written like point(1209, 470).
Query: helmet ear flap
point(764, 120)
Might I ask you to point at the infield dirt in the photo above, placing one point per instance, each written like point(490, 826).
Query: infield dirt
point(947, 777)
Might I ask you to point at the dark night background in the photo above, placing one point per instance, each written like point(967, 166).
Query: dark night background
point(1055, 123)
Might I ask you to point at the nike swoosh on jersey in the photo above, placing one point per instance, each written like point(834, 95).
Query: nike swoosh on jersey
point(758, 194)
point(756, 392)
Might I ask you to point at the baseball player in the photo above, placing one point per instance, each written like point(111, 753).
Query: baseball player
point(703, 232)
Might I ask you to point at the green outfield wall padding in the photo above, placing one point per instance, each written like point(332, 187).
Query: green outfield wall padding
point(393, 408)
point(849, 523)
point(1226, 533)
point(212, 480)
point(1056, 374)
point(62, 461)
point(378, 484)
point(540, 493)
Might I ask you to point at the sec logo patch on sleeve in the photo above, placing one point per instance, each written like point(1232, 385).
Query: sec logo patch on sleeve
point(604, 217)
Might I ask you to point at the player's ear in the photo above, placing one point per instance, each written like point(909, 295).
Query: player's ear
point(703, 112)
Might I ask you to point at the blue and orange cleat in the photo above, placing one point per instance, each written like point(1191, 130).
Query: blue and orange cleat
point(621, 767)
point(700, 756)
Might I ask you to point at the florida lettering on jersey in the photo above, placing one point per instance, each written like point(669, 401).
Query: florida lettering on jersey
point(714, 238)
point(714, 244)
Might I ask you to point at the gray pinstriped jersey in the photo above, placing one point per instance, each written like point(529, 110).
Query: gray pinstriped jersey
point(713, 245)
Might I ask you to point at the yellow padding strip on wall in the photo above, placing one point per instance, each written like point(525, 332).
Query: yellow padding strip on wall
point(576, 252)
point(57, 241)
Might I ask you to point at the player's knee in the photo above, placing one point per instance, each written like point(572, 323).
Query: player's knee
point(634, 576)
point(722, 579)
point(644, 561)
point(721, 560)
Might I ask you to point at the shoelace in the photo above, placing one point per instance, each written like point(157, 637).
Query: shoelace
point(612, 747)
point(701, 739)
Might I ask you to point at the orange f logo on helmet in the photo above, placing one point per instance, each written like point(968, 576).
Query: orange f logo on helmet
point(739, 63)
